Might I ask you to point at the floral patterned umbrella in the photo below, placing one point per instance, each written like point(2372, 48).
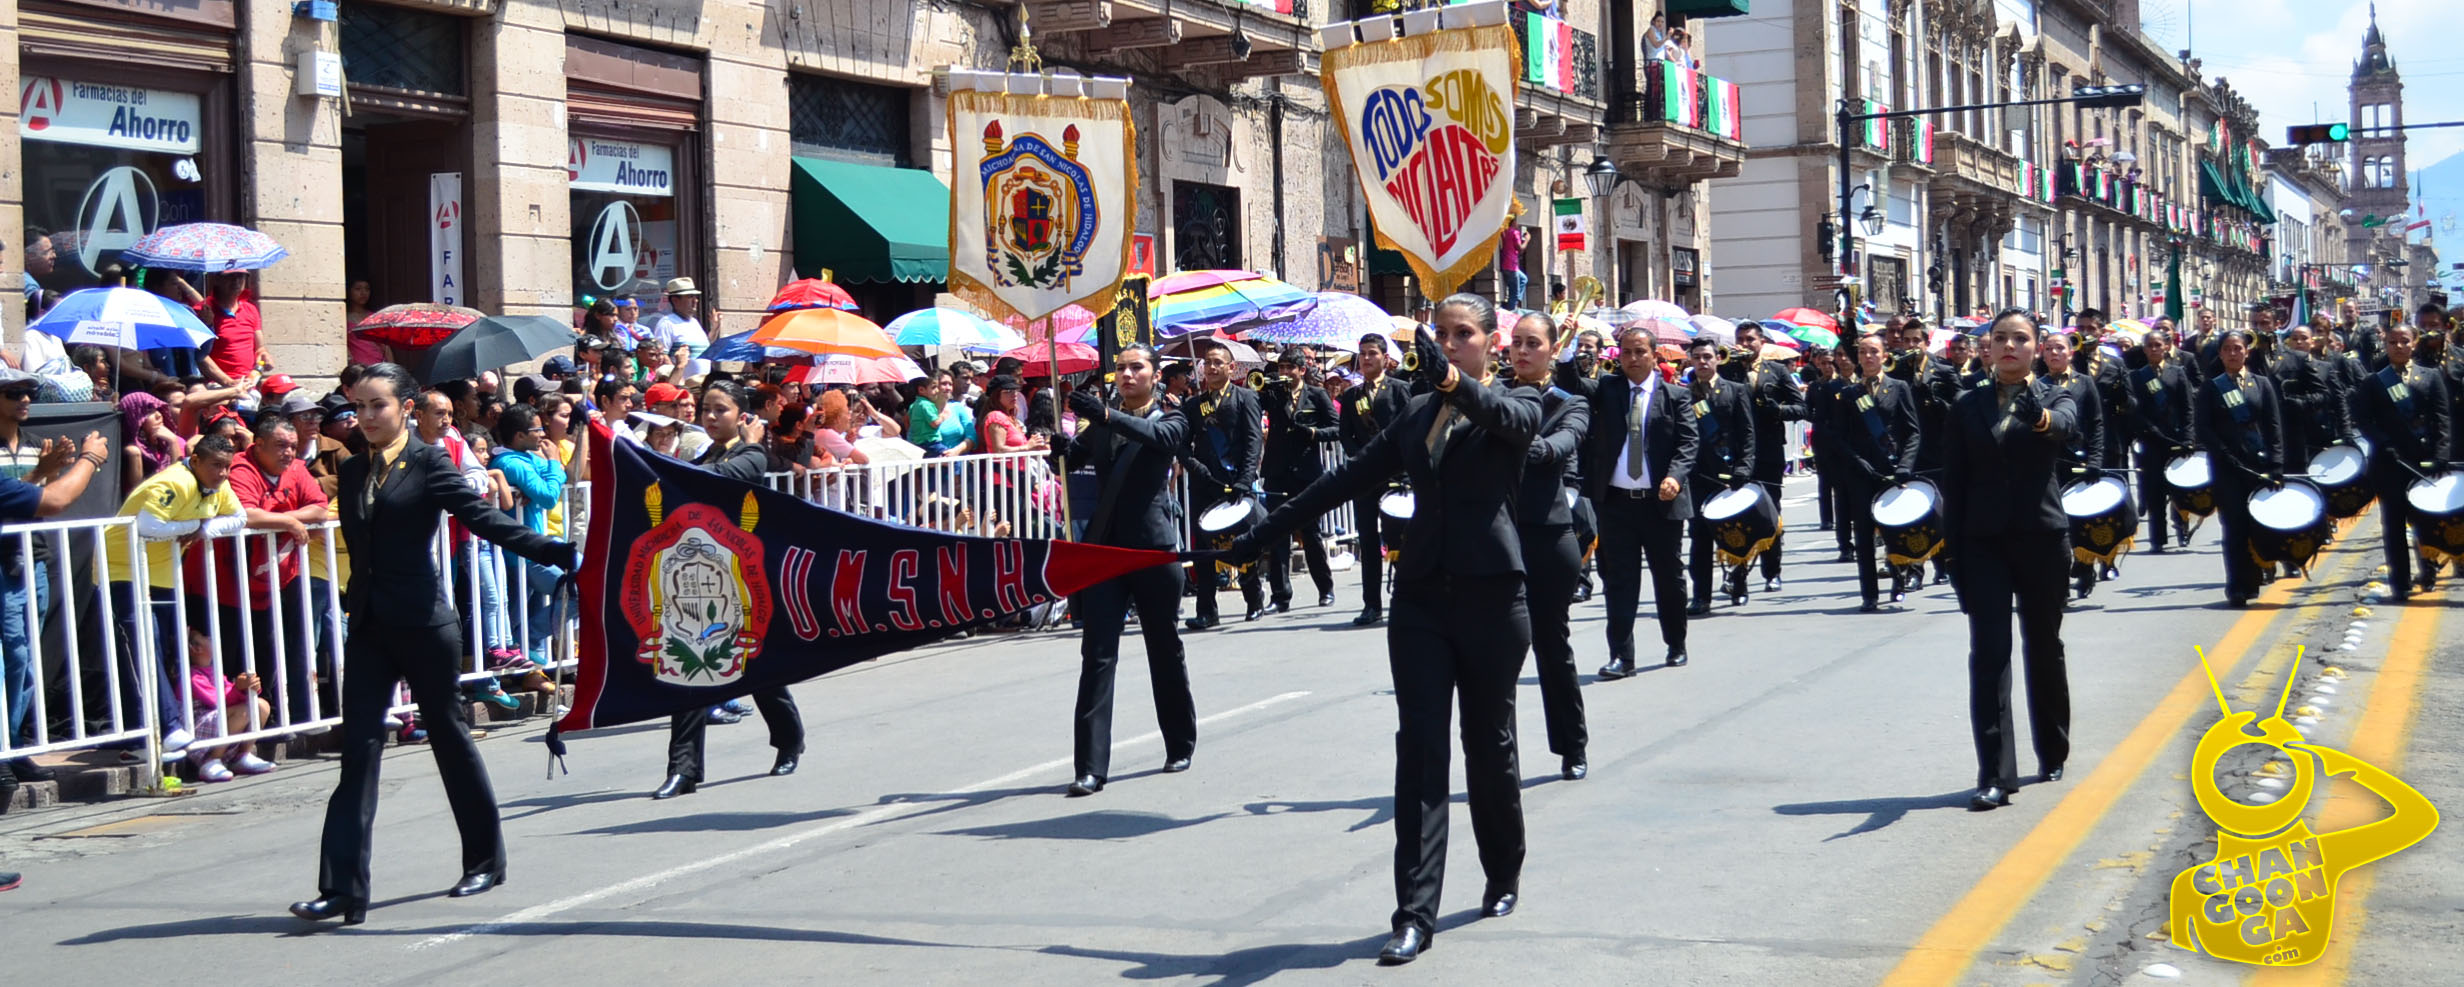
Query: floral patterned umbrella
point(416, 325)
point(207, 247)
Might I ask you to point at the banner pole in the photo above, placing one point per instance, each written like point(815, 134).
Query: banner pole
point(1052, 355)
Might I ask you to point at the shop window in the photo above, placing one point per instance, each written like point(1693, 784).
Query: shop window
point(1206, 227)
point(849, 121)
point(399, 48)
point(104, 165)
point(1890, 285)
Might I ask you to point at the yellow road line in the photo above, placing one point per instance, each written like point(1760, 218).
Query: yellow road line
point(2379, 739)
point(1945, 951)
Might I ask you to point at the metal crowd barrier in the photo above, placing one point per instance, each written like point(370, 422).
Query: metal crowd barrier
point(76, 676)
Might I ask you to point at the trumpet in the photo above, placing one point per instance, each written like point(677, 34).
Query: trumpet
point(1257, 380)
point(1586, 290)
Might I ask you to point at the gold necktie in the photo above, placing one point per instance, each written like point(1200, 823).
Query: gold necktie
point(1442, 430)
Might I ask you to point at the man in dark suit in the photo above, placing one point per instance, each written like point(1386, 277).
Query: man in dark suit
point(403, 630)
point(1460, 623)
point(1777, 401)
point(1724, 450)
point(1130, 445)
point(1368, 408)
point(1298, 417)
point(2002, 511)
point(1876, 420)
point(1642, 447)
point(1222, 454)
point(1832, 369)
point(1552, 561)
point(1934, 385)
point(2403, 410)
point(2083, 456)
point(2241, 425)
point(2310, 399)
point(2160, 419)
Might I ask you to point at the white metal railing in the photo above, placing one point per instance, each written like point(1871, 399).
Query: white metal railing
point(107, 700)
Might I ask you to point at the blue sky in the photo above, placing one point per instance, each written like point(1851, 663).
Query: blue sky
point(2291, 58)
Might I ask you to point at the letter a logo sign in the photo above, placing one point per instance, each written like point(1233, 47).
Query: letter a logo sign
point(39, 103)
point(117, 211)
point(611, 241)
point(446, 214)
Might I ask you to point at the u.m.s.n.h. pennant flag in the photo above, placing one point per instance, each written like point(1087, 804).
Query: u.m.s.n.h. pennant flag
point(697, 588)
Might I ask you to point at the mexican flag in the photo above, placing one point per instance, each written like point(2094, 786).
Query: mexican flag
point(1550, 59)
point(1720, 113)
point(1569, 224)
point(1877, 131)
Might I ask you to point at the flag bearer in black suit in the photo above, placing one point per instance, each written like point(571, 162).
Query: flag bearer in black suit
point(1724, 450)
point(1552, 559)
point(2241, 426)
point(1641, 449)
point(1777, 401)
point(2002, 511)
point(2160, 418)
point(2403, 410)
point(1874, 419)
point(1298, 417)
point(1224, 422)
point(1367, 410)
point(1130, 444)
point(403, 630)
point(1460, 623)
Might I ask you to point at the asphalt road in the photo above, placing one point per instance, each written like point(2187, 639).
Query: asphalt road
point(1789, 808)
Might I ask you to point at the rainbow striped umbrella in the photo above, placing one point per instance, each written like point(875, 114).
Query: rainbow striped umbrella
point(1207, 301)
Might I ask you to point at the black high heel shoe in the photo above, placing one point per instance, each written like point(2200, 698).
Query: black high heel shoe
point(350, 910)
point(674, 786)
point(472, 884)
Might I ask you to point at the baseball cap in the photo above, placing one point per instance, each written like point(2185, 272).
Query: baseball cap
point(278, 385)
point(662, 393)
point(558, 365)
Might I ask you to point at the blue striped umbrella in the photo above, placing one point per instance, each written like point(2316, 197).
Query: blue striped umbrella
point(952, 327)
point(128, 318)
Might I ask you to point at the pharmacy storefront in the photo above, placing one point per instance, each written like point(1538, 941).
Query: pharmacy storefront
point(634, 119)
point(107, 163)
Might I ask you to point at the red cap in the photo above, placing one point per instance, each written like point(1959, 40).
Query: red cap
point(662, 393)
point(278, 385)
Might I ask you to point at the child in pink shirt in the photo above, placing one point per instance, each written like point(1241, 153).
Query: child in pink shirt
point(234, 697)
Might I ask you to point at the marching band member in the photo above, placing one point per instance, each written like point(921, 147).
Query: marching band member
point(2160, 418)
point(2403, 410)
point(2241, 426)
point(1298, 417)
point(1830, 369)
point(1460, 620)
point(1368, 408)
point(1642, 446)
point(1934, 385)
point(1777, 401)
point(1552, 559)
point(1878, 437)
point(2083, 456)
point(2002, 511)
point(1724, 450)
point(1224, 436)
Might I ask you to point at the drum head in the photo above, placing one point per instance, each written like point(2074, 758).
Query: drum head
point(2336, 466)
point(2441, 495)
point(1396, 505)
point(1906, 504)
point(2188, 471)
point(1224, 516)
point(2084, 499)
point(2362, 442)
point(1730, 503)
point(2291, 507)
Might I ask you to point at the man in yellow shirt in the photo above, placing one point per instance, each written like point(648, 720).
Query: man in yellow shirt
point(186, 501)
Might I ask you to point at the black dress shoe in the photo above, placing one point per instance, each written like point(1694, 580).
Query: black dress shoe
point(1618, 667)
point(2053, 773)
point(1582, 593)
point(475, 884)
point(1326, 599)
point(2238, 602)
point(1845, 558)
point(1771, 585)
point(1497, 904)
point(1254, 614)
point(1177, 765)
point(674, 785)
point(1085, 785)
point(27, 770)
point(350, 911)
point(785, 765)
point(1676, 658)
point(1201, 623)
point(1698, 608)
point(1407, 945)
point(1575, 768)
point(1370, 617)
point(1989, 798)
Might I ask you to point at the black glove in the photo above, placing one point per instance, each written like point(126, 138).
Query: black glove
point(1902, 475)
point(568, 556)
point(1245, 548)
point(2092, 473)
point(2275, 478)
point(2024, 407)
point(1432, 357)
point(1735, 481)
point(1086, 405)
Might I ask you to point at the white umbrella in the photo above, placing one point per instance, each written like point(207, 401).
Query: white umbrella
point(1716, 328)
point(1653, 308)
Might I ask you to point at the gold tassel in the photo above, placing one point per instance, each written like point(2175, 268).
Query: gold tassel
point(650, 499)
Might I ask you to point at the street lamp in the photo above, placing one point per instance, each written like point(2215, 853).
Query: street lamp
point(1603, 177)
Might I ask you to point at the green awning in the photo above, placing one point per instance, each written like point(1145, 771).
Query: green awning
point(869, 223)
point(2259, 209)
point(2213, 186)
point(1707, 8)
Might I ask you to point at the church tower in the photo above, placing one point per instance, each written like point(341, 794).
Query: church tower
point(2380, 183)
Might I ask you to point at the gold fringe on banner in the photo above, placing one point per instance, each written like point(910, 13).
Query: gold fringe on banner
point(1439, 283)
point(979, 293)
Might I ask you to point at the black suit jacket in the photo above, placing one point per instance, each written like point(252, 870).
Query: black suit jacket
point(2087, 440)
point(1293, 431)
point(394, 581)
point(1723, 433)
point(2114, 405)
point(1777, 401)
point(1869, 458)
point(1822, 409)
point(2346, 376)
point(1999, 477)
point(2241, 450)
point(743, 461)
point(2415, 436)
point(1368, 411)
point(1463, 511)
point(1549, 465)
point(1223, 442)
point(1669, 439)
point(1132, 458)
point(2161, 407)
point(2310, 400)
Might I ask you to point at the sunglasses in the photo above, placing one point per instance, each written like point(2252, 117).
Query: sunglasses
point(17, 395)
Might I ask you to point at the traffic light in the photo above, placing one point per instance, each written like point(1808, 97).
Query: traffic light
point(2317, 133)
point(2108, 97)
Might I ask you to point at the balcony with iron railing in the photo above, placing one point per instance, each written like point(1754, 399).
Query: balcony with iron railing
point(1672, 125)
point(1558, 100)
point(1225, 39)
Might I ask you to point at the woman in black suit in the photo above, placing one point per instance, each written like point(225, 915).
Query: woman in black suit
point(2241, 426)
point(392, 499)
point(1552, 564)
point(1459, 623)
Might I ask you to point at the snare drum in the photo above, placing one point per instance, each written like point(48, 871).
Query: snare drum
point(2192, 480)
point(2104, 522)
point(1394, 512)
point(1910, 516)
point(2343, 475)
point(1219, 524)
point(1744, 522)
point(2288, 524)
point(2438, 515)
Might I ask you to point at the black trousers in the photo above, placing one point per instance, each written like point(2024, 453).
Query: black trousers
point(2241, 572)
point(1367, 548)
point(1205, 575)
point(2156, 497)
point(1632, 529)
point(1103, 609)
point(2390, 480)
point(688, 740)
point(1999, 575)
point(1856, 524)
point(424, 658)
point(1455, 641)
point(1698, 532)
point(1832, 493)
point(1586, 537)
point(1552, 563)
point(1279, 555)
point(1771, 488)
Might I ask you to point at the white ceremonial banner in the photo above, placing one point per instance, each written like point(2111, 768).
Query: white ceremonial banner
point(1429, 119)
point(1042, 196)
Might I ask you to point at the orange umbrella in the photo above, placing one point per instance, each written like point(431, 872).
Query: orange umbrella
point(825, 331)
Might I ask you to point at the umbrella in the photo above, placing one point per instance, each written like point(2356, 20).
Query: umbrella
point(2131, 329)
point(952, 327)
point(495, 342)
point(1716, 328)
point(1807, 317)
point(1653, 308)
point(1187, 346)
point(1070, 320)
point(811, 293)
point(1618, 317)
point(1774, 351)
point(1814, 335)
point(1209, 307)
point(824, 330)
point(740, 348)
point(1938, 341)
point(1776, 334)
point(841, 369)
point(416, 325)
point(1668, 330)
point(129, 318)
point(1181, 281)
point(1671, 352)
point(204, 247)
point(1337, 321)
point(1039, 358)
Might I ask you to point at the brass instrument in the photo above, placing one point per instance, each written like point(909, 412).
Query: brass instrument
point(1585, 291)
point(1257, 380)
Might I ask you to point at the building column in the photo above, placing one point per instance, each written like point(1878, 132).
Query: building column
point(291, 160)
point(750, 160)
point(12, 187)
point(520, 250)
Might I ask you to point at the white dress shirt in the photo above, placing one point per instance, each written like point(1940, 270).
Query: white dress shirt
point(1640, 413)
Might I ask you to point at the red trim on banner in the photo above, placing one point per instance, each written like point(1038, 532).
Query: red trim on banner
point(590, 660)
point(1072, 566)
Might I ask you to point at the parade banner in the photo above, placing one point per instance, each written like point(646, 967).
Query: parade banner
point(697, 588)
point(1043, 199)
point(1429, 119)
